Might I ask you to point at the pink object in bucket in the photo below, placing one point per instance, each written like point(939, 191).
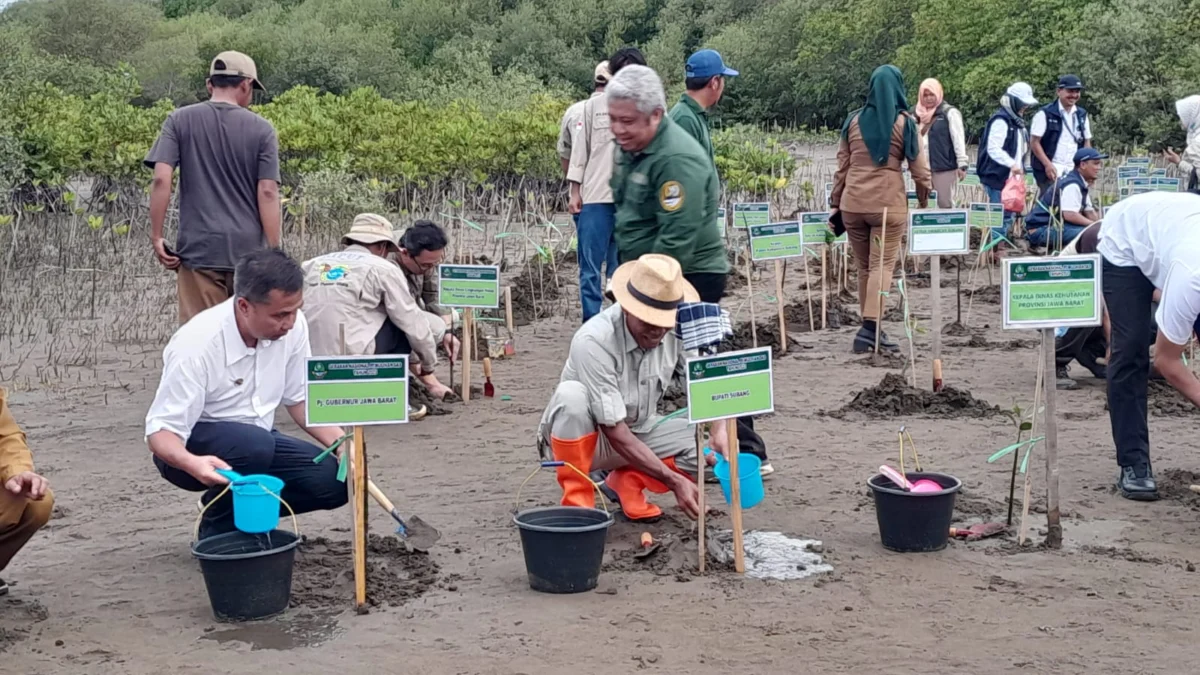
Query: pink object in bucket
point(895, 476)
point(1012, 197)
point(926, 485)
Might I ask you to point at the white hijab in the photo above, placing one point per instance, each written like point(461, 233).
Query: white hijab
point(1189, 114)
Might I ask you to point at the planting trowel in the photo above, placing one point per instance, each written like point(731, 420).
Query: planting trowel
point(488, 389)
point(418, 534)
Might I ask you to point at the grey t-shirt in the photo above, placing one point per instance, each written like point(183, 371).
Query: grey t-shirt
point(222, 151)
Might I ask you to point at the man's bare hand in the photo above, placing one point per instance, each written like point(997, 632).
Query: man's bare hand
point(1172, 156)
point(27, 484)
point(204, 469)
point(451, 344)
point(575, 205)
point(686, 496)
point(160, 251)
point(961, 174)
point(438, 390)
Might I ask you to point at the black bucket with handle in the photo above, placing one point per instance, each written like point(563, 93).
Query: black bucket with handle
point(914, 522)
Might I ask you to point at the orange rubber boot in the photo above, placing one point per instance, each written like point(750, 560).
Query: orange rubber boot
point(630, 486)
point(670, 462)
point(577, 490)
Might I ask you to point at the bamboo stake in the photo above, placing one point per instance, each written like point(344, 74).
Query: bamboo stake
point(879, 299)
point(467, 349)
point(1025, 488)
point(508, 313)
point(358, 466)
point(735, 498)
point(824, 288)
point(700, 468)
point(783, 341)
point(750, 293)
point(1053, 521)
point(812, 325)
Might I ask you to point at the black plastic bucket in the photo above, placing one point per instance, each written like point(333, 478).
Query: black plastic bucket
point(564, 547)
point(248, 576)
point(914, 522)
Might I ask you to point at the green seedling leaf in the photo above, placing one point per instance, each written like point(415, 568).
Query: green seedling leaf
point(1004, 451)
point(328, 451)
point(343, 467)
point(1026, 426)
point(994, 242)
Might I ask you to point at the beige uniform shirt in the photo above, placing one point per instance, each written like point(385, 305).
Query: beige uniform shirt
point(592, 152)
point(360, 290)
point(624, 381)
point(566, 131)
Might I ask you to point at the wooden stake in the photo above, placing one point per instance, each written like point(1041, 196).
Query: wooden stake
point(879, 298)
point(468, 344)
point(824, 288)
point(700, 469)
point(935, 282)
point(735, 498)
point(1053, 521)
point(750, 293)
point(783, 341)
point(812, 324)
point(1037, 403)
point(508, 315)
point(358, 496)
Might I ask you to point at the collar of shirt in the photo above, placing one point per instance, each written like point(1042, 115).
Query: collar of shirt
point(1067, 113)
point(693, 104)
point(631, 345)
point(235, 346)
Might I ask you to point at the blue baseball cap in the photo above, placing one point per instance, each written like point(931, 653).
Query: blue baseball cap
point(1084, 154)
point(707, 63)
point(1070, 82)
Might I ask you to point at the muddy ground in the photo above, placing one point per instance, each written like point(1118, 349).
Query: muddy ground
point(110, 587)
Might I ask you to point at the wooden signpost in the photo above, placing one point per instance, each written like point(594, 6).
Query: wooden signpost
point(778, 241)
point(1044, 294)
point(721, 389)
point(936, 233)
point(356, 391)
point(470, 287)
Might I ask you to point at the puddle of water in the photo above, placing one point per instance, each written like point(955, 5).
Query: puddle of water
point(282, 633)
point(772, 555)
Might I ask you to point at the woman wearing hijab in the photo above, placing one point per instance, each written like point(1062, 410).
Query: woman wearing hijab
point(1003, 152)
point(944, 141)
point(876, 140)
point(1189, 116)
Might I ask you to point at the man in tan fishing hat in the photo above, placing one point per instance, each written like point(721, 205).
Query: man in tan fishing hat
point(360, 289)
point(604, 413)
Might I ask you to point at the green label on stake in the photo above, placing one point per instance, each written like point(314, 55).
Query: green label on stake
point(814, 225)
point(750, 214)
point(939, 233)
point(1048, 293)
point(776, 240)
point(469, 286)
point(982, 214)
point(730, 385)
point(357, 390)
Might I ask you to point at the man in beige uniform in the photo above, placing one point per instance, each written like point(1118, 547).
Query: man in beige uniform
point(574, 115)
point(604, 412)
point(359, 289)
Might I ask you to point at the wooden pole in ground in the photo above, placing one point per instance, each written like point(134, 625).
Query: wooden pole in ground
point(1037, 404)
point(935, 284)
point(508, 315)
point(879, 295)
point(735, 499)
point(467, 348)
point(824, 288)
point(750, 290)
point(358, 467)
point(700, 468)
point(1053, 521)
point(812, 324)
point(783, 341)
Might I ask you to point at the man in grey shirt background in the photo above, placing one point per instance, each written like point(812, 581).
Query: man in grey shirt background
point(228, 161)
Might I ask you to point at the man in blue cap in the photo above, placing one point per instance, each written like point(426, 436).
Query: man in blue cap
point(1058, 131)
point(706, 73)
point(1067, 197)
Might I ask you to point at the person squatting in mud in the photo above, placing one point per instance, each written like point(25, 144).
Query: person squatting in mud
point(604, 413)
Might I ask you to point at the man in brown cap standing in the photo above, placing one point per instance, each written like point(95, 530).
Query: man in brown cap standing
point(228, 161)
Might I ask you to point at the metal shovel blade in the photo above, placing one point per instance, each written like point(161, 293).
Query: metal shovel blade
point(420, 535)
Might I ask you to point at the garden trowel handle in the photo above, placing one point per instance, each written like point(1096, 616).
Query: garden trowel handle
point(385, 503)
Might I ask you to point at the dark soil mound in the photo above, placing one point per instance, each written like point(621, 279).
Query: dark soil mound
point(674, 398)
point(1175, 484)
point(838, 314)
point(768, 336)
point(1165, 401)
point(419, 395)
point(988, 294)
point(956, 329)
point(324, 574)
point(537, 289)
point(893, 397)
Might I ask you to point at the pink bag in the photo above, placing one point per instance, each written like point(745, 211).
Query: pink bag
point(1013, 195)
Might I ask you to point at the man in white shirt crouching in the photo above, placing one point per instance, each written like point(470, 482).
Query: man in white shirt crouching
point(224, 374)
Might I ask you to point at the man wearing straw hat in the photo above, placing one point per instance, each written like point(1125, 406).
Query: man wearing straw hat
point(604, 413)
point(359, 291)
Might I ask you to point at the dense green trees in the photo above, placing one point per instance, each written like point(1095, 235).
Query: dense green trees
point(506, 66)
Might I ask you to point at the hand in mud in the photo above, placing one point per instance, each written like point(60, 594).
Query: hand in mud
point(204, 469)
point(687, 496)
point(439, 390)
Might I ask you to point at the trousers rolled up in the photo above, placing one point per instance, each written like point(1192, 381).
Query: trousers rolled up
point(1128, 294)
point(249, 449)
point(20, 519)
point(595, 246)
point(866, 235)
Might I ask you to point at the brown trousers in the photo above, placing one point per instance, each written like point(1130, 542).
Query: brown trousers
point(19, 520)
point(201, 289)
point(865, 231)
point(945, 183)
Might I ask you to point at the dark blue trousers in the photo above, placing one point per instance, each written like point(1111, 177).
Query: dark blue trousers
point(249, 450)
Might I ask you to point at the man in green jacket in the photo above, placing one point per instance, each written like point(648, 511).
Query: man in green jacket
point(665, 185)
point(706, 73)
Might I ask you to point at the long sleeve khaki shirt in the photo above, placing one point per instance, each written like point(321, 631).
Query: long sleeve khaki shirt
point(862, 187)
point(15, 457)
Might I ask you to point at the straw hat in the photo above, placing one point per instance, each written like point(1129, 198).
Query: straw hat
point(370, 228)
point(651, 288)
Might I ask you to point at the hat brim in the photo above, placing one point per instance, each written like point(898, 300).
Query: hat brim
point(730, 72)
point(255, 84)
point(663, 318)
point(368, 239)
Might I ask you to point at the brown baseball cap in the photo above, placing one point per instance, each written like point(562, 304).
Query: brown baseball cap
point(236, 64)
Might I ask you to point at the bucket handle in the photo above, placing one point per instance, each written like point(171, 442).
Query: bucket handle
point(228, 486)
point(552, 464)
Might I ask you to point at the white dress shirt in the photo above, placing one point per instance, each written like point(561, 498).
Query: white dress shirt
point(210, 375)
point(1071, 199)
point(1159, 233)
point(1071, 138)
point(995, 145)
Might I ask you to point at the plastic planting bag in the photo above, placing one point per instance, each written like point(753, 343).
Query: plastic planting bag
point(1013, 195)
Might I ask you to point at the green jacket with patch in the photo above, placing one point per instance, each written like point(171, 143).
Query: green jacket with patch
point(666, 199)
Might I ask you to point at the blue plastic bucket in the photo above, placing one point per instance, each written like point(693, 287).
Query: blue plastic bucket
point(255, 508)
point(749, 479)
